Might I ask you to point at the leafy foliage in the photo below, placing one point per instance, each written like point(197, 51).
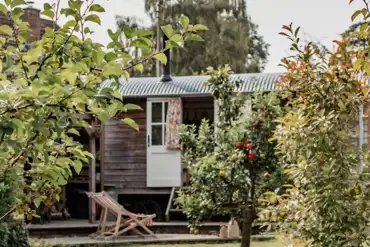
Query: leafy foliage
point(228, 160)
point(327, 205)
point(48, 84)
point(13, 235)
point(232, 39)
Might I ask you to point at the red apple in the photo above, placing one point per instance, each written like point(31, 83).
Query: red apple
point(251, 155)
point(239, 145)
point(249, 145)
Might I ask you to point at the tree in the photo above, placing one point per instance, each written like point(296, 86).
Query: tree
point(47, 86)
point(128, 25)
point(232, 39)
point(328, 202)
point(353, 32)
point(229, 165)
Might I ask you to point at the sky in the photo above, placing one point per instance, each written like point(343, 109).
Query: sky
point(320, 20)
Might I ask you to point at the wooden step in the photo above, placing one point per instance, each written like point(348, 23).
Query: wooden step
point(175, 210)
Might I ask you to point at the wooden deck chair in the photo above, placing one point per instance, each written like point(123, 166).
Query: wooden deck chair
point(126, 221)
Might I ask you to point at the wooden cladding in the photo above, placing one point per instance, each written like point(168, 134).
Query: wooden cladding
point(125, 150)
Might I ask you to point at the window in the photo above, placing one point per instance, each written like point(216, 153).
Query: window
point(158, 123)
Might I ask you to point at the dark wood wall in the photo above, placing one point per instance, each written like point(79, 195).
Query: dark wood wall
point(124, 149)
point(125, 152)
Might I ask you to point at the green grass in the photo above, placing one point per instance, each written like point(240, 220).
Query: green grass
point(254, 244)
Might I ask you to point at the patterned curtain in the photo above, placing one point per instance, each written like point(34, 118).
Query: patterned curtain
point(174, 120)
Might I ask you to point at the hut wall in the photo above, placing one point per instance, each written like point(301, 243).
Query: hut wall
point(125, 149)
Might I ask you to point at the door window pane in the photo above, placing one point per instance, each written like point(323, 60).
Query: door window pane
point(164, 135)
point(157, 112)
point(165, 111)
point(157, 136)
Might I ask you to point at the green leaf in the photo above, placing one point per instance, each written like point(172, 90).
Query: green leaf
point(16, 3)
point(117, 94)
point(184, 21)
point(48, 13)
point(170, 44)
point(77, 165)
point(3, 9)
point(296, 32)
point(139, 67)
point(131, 107)
point(47, 6)
point(32, 55)
point(113, 35)
point(88, 154)
point(161, 57)
point(46, 157)
point(168, 30)
point(144, 33)
point(18, 122)
point(193, 37)
point(97, 8)
point(112, 69)
point(6, 30)
point(87, 30)
point(37, 201)
point(110, 56)
point(199, 27)
point(75, 4)
point(63, 161)
point(98, 56)
point(130, 122)
point(358, 64)
point(62, 181)
point(367, 68)
point(177, 38)
point(70, 76)
point(8, 2)
point(70, 23)
point(74, 132)
point(93, 18)
point(357, 13)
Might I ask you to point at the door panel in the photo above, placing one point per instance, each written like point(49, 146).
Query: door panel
point(163, 166)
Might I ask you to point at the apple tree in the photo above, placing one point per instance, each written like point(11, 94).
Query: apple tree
point(48, 84)
point(230, 161)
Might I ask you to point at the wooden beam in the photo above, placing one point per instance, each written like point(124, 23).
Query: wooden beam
point(92, 176)
point(102, 155)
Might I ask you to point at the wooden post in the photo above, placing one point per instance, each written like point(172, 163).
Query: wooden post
point(102, 154)
point(92, 174)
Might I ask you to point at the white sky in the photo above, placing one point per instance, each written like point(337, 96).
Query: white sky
point(320, 20)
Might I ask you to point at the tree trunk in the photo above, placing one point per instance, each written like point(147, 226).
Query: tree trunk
point(247, 227)
point(248, 217)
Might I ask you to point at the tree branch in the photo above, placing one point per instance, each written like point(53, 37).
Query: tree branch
point(366, 5)
point(60, 48)
point(15, 35)
point(7, 214)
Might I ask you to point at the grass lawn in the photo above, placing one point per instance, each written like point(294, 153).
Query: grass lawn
point(254, 244)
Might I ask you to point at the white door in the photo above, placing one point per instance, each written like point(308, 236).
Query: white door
point(163, 165)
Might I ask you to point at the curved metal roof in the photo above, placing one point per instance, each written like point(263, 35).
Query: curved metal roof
point(190, 85)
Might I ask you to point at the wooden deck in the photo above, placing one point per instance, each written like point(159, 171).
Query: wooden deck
point(162, 238)
point(85, 224)
point(81, 228)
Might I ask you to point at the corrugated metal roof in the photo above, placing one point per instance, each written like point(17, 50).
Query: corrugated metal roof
point(190, 85)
